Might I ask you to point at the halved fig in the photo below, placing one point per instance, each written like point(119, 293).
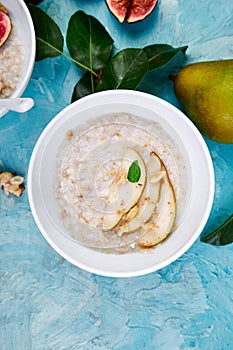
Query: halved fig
point(131, 10)
point(162, 221)
point(119, 8)
point(140, 9)
point(145, 207)
point(123, 193)
point(5, 26)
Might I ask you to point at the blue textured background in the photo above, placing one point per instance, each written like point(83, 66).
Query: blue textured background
point(45, 302)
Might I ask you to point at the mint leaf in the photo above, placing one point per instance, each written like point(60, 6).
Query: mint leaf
point(134, 172)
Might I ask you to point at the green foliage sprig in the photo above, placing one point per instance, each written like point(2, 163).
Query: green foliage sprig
point(91, 49)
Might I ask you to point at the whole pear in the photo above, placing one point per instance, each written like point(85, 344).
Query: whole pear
point(205, 90)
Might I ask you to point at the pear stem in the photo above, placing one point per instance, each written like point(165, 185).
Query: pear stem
point(172, 77)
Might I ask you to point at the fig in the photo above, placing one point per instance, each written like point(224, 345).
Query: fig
point(131, 10)
point(5, 25)
point(140, 9)
point(119, 8)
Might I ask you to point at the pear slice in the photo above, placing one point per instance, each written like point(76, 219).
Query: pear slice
point(162, 221)
point(128, 193)
point(149, 199)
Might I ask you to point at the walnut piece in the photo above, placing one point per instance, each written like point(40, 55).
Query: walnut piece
point(12, 183)
point(69, 134)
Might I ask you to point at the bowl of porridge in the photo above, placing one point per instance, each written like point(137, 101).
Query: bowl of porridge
point(121, 183)
point(17, 54)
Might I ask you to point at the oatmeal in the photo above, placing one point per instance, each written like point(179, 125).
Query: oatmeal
point(11, 63)
point(88, 164)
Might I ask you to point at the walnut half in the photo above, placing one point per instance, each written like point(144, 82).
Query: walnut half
point(12, 183)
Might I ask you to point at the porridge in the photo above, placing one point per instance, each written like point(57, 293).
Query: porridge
point(11, 63)
point(102, 204)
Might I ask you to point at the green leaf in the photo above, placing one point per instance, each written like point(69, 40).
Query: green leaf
point(134, 172)
point(35, 2)
point(160, 54)
point(125, 70)
point(49, 39)
point(222, 235)
point(84, 87)
point(88, 41)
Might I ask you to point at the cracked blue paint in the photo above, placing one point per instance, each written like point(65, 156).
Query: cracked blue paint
point(47, 303)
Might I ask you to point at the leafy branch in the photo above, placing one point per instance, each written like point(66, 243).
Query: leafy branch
point(91, 49)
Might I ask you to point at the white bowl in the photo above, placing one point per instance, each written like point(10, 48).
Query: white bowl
point(198, 191)
point(22, 23)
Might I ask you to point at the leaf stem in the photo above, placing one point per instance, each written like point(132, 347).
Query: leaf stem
point(69, 57)
point(92, 84)
point(90, 57)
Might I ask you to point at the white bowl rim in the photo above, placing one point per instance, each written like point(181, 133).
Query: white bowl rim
point(23, 83)
point(64, 252)
point(27, 76)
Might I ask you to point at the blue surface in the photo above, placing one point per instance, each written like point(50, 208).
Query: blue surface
point(47, 303)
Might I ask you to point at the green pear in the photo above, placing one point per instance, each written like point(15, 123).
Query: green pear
point(205, 91)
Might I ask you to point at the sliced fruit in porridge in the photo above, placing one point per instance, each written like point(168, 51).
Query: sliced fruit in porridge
point(124, 194)
point(5, 25)
point(147, 204)
point(101, 205)
point(162, 221)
